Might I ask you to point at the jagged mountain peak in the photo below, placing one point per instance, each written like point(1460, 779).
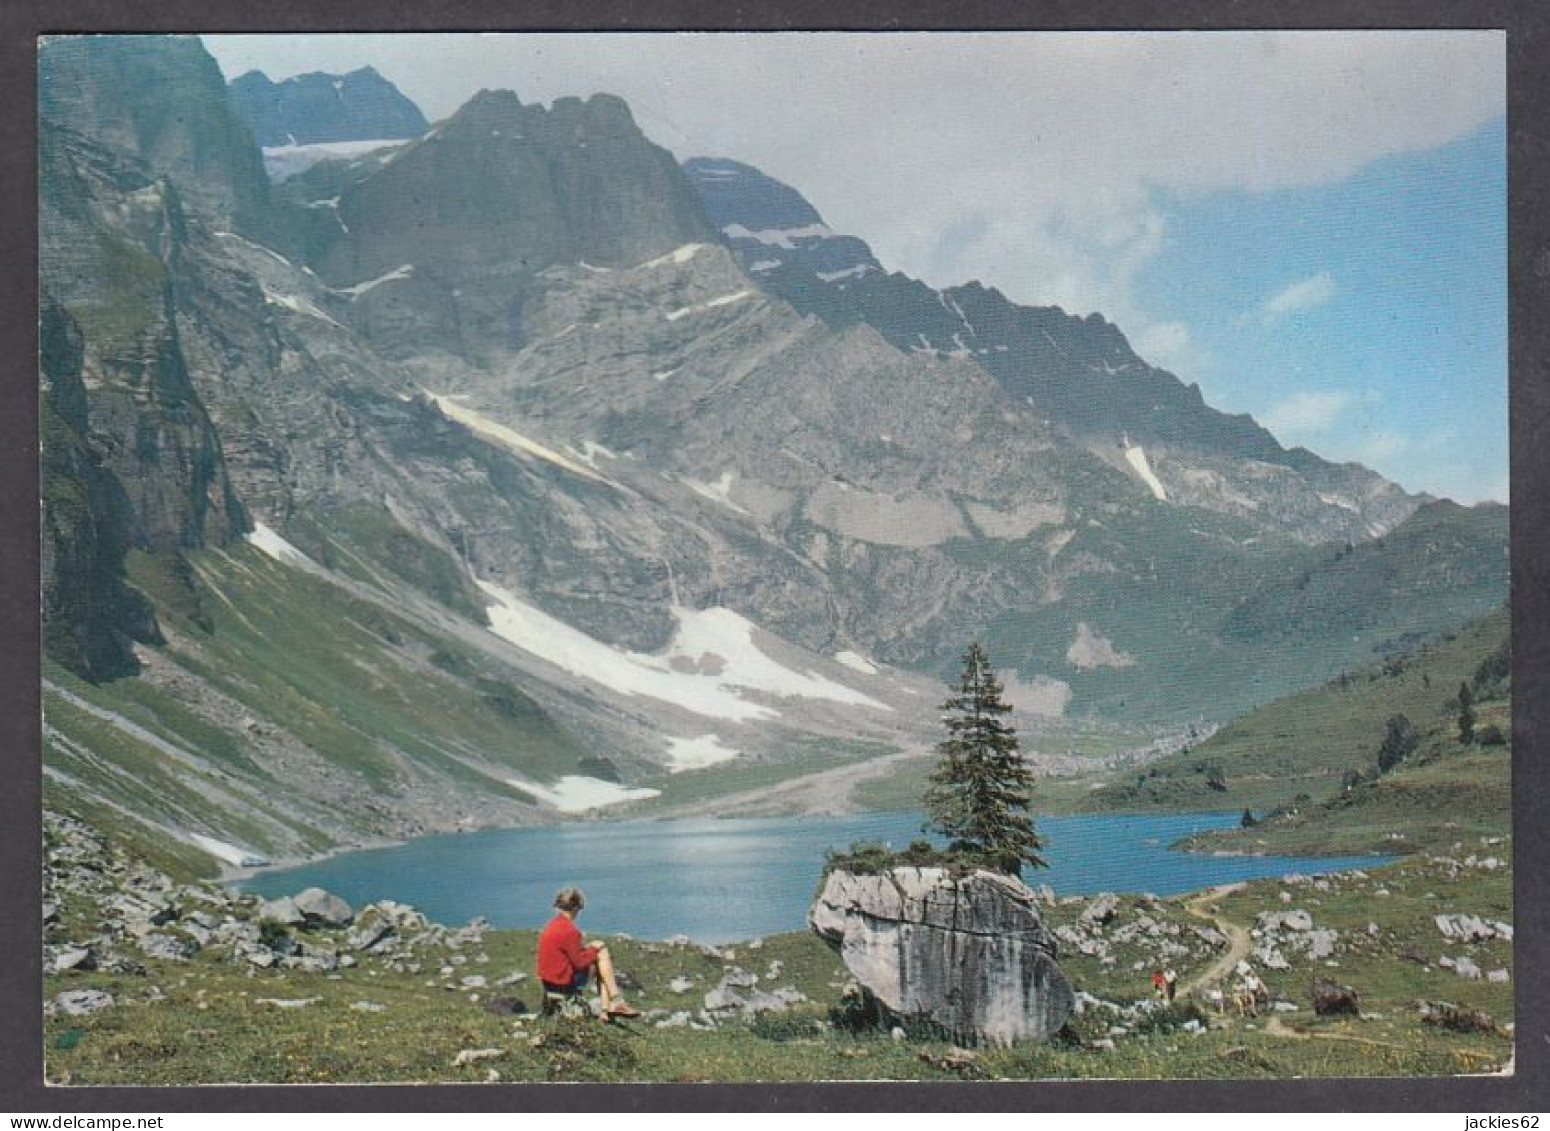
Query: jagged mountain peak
point(439, 240)
point(320, 107)
point(1080, 373)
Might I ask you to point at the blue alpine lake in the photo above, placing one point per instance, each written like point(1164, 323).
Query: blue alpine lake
point(720, 880)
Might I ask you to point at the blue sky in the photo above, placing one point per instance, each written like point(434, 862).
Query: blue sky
point(1309, 224)
point(1365, 319)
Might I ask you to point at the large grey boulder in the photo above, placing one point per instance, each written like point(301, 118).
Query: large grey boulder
point(967, 953)
point(283, 911)
point(324, 907)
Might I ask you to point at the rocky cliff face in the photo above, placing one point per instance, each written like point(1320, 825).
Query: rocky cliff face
point(318, 107)
point(442, 238)
point(968, 954)
point(109, 239)
point(1079, 374)
point(91, 616)
point(162, 99)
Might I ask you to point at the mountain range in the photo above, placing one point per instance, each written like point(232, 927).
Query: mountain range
point(515, 468)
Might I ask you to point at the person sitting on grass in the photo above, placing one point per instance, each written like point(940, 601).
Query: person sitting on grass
point(565, 966)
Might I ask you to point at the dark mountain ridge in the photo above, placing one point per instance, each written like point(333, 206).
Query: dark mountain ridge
point(320, 107)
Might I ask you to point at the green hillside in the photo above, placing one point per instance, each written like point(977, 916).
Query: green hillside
point(1299, 750)
point(279, 700)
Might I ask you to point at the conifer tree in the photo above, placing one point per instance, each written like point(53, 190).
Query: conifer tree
point(1466, 714)
point(981, 791)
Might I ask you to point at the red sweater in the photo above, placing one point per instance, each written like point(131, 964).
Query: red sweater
point(560, 953)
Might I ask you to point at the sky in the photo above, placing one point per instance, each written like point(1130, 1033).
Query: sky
point(1311, 225)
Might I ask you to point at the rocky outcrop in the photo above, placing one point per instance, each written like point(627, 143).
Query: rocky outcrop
point(161, 98)
point(966, 953)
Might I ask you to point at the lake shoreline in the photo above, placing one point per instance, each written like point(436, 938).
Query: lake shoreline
point(724, 879)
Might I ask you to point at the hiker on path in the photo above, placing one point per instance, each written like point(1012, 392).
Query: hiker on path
point(565, 966)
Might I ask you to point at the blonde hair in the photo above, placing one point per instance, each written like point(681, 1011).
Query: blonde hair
point(570, 899)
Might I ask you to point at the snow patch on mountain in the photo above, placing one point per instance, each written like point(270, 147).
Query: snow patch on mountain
point(397, 273)
point(697, 753)
point(718, 492)
point(856, 661)
point(277, 547)
point(1136, 457)
point(675, 258)
point(711, 660)
point(848, 273)
point(575, 793)
point(710, 304)
point(227, 853)
point(297, 305)
point(283, 162)
point(780, 237)
point(514, 441)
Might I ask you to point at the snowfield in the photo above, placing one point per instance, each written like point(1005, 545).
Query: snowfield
point(282, 162)
point(229, 853)
point(711, 660)
point(278, 548)
point(575, 793)
point(697, 753)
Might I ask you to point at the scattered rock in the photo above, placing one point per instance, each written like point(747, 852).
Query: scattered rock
point(1459, 1018)
point(367, 1006)
point(1471, 928)
point(474, 982)
point(681, 984)
point(505, 1006)
point(1321, 943)
point(960, 1062)
point(287, 1002)
point(512, 979)
point(473, 1056)
point(78, 1003)
point(74, 958)
point(1104, 908)
point(168, 947)
point(1298, 920)
point(1467, 968)
point(1332, 999)
point(1498, 976)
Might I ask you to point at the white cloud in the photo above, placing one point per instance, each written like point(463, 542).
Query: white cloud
point(1045, 152)
point(1303, 414)
point(1304, 294)
point(1165, 344)
point(1379, 447)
